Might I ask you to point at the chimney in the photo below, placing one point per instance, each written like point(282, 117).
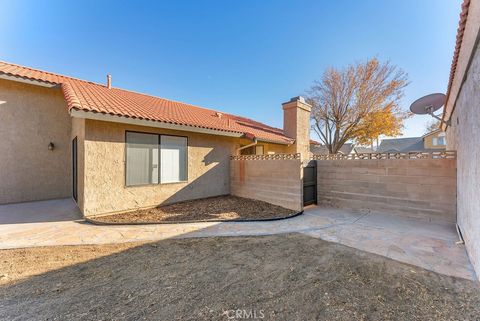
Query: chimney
point(296, 124)
point(109, 81)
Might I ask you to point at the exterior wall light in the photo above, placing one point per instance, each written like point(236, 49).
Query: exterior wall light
point(51, 146)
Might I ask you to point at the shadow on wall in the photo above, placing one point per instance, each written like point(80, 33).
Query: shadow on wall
point(214, 182)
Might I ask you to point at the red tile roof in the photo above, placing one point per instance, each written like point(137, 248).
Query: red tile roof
point(460, 30)
point(97, 98)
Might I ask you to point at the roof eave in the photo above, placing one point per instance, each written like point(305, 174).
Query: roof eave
point(77, 113)
point(264, 140)
point(29, 81)
point(455, 72)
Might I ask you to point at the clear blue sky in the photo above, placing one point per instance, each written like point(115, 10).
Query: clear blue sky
point(242, 57)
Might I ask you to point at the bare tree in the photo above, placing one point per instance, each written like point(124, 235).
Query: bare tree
point(432, 125)
point(343, 99)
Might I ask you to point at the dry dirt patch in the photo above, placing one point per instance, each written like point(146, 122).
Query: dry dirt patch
point(220, 208)
point(282, 277)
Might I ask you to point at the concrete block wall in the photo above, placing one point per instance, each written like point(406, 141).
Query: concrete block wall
point(420, 188)
point(274, 181)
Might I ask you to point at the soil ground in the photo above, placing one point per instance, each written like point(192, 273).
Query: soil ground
point(282, 277)
point(222, 208)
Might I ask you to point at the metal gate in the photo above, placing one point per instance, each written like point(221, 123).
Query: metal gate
point(310, 183)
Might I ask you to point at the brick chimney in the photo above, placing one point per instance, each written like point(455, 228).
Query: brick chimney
point(296, 124)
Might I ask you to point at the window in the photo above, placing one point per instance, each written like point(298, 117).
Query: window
point(173, 159)
point(441, 139)
point(434, 141)
point(153, 159)
point(142, 159)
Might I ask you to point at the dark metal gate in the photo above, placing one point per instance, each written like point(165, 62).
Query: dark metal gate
point(310, 183)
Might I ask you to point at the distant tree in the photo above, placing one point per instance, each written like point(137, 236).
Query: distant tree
point(360, 102)
point(378, 123)
point(432, 125)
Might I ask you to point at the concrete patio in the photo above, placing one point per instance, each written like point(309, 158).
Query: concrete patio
point(425, 244)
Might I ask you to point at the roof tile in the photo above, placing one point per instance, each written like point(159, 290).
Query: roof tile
point(93, 97)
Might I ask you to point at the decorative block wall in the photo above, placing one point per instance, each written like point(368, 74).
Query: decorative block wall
point(422, 188)
point(274, 181)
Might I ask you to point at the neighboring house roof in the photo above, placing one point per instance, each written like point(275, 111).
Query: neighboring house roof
point(401, 145)
point(91, 97)
point(346, 148)
point(432, 132)
point(320, 149)
point(363, 150)
point(407, 144)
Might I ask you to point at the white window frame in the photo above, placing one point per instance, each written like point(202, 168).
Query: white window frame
point(159, 168)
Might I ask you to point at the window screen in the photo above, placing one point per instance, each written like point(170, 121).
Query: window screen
point(173, 155)
point(142, 159)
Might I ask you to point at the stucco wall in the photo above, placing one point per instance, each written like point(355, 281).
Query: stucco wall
point(274, 181)
point(421, 188)
point(104, 181)
point(30, 118)
point(268, 147)
point(296, 124)
point(464, 136)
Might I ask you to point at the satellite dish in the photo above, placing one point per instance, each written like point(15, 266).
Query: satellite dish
point(428, 105)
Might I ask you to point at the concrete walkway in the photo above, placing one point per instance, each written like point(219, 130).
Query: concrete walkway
point(424, 244)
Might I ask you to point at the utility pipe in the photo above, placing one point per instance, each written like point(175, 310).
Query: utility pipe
point(255, 142)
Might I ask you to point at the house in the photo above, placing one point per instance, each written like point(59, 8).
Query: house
point(114, 150)
point(430, 142)
point(435, 140)
point(462, 124)
point(363, 150)
point(320, 149)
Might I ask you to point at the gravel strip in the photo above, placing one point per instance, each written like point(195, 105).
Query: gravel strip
point(220, 208)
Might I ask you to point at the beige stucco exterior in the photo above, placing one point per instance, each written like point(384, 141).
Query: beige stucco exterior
point(296, 124)
point(34, 114)
point(463, 136)
point(462, 110)
point(104, 170)
point(30, 118)
point(268, 148)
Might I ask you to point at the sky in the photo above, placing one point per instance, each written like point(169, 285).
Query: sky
point(242, 57)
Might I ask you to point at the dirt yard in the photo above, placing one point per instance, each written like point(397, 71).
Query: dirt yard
point(286, 277)
point(223, 208)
